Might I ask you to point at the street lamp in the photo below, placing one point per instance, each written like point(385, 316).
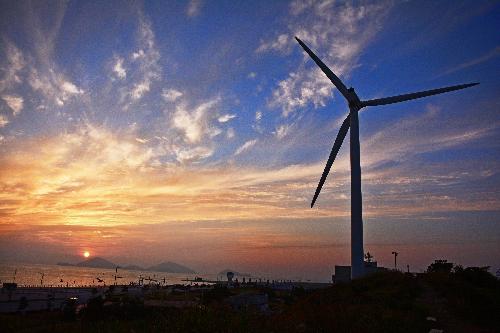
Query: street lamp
point(395, 260)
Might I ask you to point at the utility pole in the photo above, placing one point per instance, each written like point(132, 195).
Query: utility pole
point(395, 260)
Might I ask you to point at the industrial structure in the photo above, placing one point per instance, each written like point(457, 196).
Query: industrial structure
point(352, 122)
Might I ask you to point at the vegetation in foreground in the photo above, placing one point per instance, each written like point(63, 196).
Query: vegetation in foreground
point(461, 300)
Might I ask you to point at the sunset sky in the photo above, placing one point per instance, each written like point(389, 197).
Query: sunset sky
point(196, 132)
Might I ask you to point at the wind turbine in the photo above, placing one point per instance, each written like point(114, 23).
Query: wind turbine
point(352, 122)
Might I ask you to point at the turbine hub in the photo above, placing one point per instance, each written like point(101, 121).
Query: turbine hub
point(354, 101)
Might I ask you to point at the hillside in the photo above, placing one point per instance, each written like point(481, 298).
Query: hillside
point(97, 262)
point(133, 268)
point(171, 267)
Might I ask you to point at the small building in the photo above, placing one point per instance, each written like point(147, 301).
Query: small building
point(342, 274)
point(370, 267)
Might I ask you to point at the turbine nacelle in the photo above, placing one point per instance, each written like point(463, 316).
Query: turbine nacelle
point(353, 100)
point(352, 122)
point(355, 104)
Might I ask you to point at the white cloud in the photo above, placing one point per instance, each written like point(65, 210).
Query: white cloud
point(14, 102)
point(138, 54)
point(337, 33)
point(171, 95)
point(189, 124)
point(3, 120)
point(39, 68)
point(256, 126)
point(280, 43)
point(146, 58)
point(112, 149)
point(252, 75)
point(194, 8)
point(225, 118)
point(282, 131)
point(70, 88)
point(230, 133)
point(119, 70)
point(196, 123)
point(193, 154)
point(258, 115)
point(53, 86)
point(300, 89)
point(15, 62)
point(140, 89)
point(247, 145)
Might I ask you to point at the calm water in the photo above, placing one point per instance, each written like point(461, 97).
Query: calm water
point(31, 274)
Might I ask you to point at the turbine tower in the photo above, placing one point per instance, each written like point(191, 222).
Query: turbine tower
point(352, 122)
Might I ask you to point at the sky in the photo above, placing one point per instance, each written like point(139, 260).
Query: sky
point(196, 132)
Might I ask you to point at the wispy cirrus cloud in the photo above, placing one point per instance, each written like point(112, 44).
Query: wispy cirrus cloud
point(15, 103)
point(36, 66)
point(96, 177)
point(55, 88)
point(226, 117)
point(14, 63)
point(197, 122)
point(405, 138)
point(171, 95)
point(44, 75)
point(194, 8)
point(282, 130)
point(118, 69)
point(145, 60)
point(337, 32)
point(246, 146)
point(192, 154)
point(138, 70)
point(483, 58)
point(197, 125)
point(3, 121)
point(183, 171)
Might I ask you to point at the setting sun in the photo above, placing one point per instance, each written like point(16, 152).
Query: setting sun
point(86, 254)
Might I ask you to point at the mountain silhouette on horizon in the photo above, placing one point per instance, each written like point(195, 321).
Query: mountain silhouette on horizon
point(97, 262)
point(171, 267)
point(133, 268)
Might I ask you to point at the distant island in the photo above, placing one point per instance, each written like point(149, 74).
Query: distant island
point(171, 267)
point(98, 262)
point(65, 264)
point(134, 268)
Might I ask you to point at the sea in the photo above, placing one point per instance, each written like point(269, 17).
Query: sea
point(73, 276)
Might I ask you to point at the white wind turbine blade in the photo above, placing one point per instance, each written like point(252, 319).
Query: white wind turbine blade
point(335, 80)
point(333, 154)
point(407, 97)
